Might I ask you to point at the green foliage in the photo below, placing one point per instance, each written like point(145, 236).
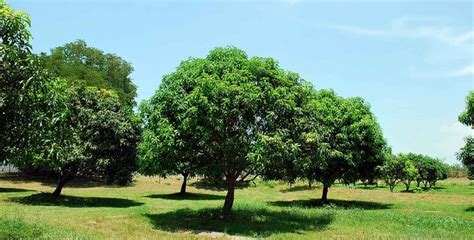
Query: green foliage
point(93, 137)
point(430, 169)
point(218, 108)
point(409, 172)
point(99, 135)
point(28, 96)
point(84, 66)
point(466, 154)
point(410, 167)
point(467, 117)
point(332, 138)
point(399, 169)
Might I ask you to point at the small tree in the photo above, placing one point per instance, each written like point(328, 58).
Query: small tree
point(430, 169)
point(391, 172)
point(409, 172)
point(399, 169)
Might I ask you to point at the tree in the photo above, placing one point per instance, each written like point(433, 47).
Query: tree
point(94, 137)
point(28, 96)
point(466, 154)
point(231, 101)
point(409, 172)
point(467, 117)
point(344, 142)
point(399, 169)
point(172, 141)
point(391, 172)
point(86, 66)
point(332, 138)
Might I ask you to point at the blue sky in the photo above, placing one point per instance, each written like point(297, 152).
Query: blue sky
point(413, 61)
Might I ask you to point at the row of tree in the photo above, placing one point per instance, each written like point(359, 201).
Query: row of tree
point(409, 168)
point(226, 117)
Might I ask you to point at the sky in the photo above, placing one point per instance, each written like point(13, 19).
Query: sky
point(412, 61)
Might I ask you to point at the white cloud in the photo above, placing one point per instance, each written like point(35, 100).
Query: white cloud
point(412, 27)
point(457, 42)
point(464, 72)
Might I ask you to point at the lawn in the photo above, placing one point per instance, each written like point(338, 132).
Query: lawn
point(151, 209)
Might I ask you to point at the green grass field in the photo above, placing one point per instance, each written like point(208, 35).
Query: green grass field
point(150, 209)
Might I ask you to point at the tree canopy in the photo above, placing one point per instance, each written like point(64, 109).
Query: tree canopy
point(95, 137)
point(86, 66)
point(28, 96)
point(220, 106)
point(340, 140)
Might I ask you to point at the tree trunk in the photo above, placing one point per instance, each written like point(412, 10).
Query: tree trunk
point(324, 197)
point(310, 183)
point(417, 184)
point(59, 187)
point(183, 186)
point(407, 186)
point(391, 185)
point(229, 199)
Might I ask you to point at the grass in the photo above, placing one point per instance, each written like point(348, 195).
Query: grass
point(151, 208)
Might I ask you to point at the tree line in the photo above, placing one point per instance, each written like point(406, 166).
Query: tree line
point(227, 117)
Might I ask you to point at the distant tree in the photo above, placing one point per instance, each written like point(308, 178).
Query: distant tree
point(466, 155)
point(399, 169)
point(457, 171)
point(94, 137)
point(409, 172)
point(391, 172)
point(28, 96)
point(86, 66)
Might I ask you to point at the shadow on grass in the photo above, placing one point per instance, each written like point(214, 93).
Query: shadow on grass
point(345, 204)
point(299, 188)
point(246, 222)
point(52, 182)
point(410, 191)
point(470, 209)
point(369, 187)
point(433, 188)
point(9, 190)
point(187, 196)
point(217, 187)
point(47, 199)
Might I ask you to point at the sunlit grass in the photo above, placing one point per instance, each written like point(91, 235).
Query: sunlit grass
point(150, 208)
